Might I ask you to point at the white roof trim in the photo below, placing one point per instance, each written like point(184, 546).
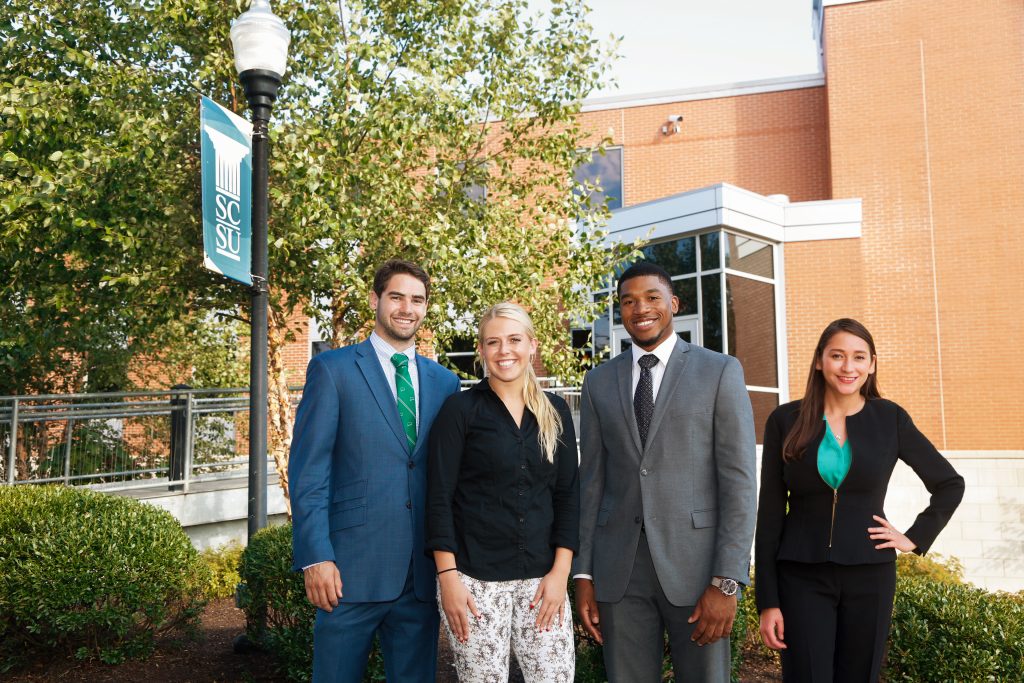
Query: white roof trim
point(831, 3)
point(770, 218)
point(704, 92)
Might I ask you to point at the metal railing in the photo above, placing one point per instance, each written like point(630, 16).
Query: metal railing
point(125, 439)
point(140, 439)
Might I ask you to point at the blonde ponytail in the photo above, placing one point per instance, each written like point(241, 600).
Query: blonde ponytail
point(549, 422)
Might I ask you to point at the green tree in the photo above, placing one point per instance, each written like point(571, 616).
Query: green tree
point(99, 193)
point(443, 131)
point(427, 107)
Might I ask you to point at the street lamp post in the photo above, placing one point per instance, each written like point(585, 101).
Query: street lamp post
point(260, 41)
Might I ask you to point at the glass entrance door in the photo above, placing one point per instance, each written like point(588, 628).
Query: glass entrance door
point(688, 330)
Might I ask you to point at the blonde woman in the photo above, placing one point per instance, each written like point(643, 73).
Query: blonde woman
point(503, 512)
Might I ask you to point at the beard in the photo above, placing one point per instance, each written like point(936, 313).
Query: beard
point(396, 334)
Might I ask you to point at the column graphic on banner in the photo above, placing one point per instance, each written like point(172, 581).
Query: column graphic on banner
point(227, 191)
point(228, 210)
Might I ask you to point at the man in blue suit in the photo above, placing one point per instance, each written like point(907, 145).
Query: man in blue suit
point(358, 480)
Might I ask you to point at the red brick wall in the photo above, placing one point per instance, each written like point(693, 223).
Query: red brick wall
point(297, 353)
point(770, 143)
point(925, 121)
point(921, 119)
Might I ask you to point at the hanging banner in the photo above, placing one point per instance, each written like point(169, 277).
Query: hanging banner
point(227, 191)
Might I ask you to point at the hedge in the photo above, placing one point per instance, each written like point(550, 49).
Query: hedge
point(278, 616)
point(91, 574)
point(951, 632)
point(223, 563)
point(280, 619)
point(942, 630)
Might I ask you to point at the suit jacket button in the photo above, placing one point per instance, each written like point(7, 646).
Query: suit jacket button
point(408, 504)
point(643, 473)
point(637, 519)
point(412, 465)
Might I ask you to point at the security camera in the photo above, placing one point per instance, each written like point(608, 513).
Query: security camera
point(675, 118)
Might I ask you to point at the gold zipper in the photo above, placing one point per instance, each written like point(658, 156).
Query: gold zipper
point(835, 499)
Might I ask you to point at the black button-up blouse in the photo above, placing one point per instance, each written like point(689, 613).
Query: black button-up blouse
point(492, 498)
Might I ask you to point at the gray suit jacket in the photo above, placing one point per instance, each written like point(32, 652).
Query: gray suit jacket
point(693, 486)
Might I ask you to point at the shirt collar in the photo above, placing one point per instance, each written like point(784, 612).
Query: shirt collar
point(663, 350)
point(386, 350)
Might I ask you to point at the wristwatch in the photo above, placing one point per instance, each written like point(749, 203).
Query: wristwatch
point(727, 586)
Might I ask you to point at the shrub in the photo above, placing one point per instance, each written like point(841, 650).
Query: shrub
point(93, 574)
point(954, 632)
point(278, 616)
point(223, 565)
point(942, 629)
point(746, 633)
point(590, 657)
point(933, 567)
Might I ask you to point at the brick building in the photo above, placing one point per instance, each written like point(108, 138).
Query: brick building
point(888, 187)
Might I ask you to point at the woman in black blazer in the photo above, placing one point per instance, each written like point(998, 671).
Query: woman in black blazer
point(824, 551)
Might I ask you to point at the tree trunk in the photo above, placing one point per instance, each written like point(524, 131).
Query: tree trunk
point(280, 414)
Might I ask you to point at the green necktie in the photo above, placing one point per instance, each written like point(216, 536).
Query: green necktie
point(406, 397)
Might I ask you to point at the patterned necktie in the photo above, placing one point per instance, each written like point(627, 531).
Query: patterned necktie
point(643, 399)
point(406, 397)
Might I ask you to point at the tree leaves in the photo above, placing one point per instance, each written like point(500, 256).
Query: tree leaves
point(445, 132)
point(99, 193)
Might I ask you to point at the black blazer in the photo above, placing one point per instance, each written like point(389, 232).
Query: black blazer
point(879, 434)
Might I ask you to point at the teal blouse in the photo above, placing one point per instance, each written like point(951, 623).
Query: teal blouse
point(833, 459)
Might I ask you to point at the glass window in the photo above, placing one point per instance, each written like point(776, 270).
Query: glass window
point(604, 172)
point(749, 255)
point(686, 290)
point(678, 257)
point(763, 404)
point(463, 356)
point(581, 340)
point(476, 192)
point(744, 328)
point(602, 338)
point(751, 314)
point(473, 180)
point(709, 251)
point(320, 346)
point(711, 301)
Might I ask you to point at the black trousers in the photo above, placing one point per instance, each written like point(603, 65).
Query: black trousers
point(836, 620)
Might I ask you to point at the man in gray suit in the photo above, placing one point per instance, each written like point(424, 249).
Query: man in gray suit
point(668, 495)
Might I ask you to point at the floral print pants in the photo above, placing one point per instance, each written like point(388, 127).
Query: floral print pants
point(506, 618)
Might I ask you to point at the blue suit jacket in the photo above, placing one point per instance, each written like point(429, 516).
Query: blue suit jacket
point(358, 495)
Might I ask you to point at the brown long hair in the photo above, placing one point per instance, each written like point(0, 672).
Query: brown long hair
point(808, 421)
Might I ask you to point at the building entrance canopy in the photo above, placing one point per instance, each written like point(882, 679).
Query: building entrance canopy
point(721, 248)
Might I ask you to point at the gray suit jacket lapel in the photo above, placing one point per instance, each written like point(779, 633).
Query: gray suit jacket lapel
point(667, 392)
point(374, 375)
point(625, 377)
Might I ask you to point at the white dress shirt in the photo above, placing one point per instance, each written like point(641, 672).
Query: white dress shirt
point(663, 351)
point(384, 353)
